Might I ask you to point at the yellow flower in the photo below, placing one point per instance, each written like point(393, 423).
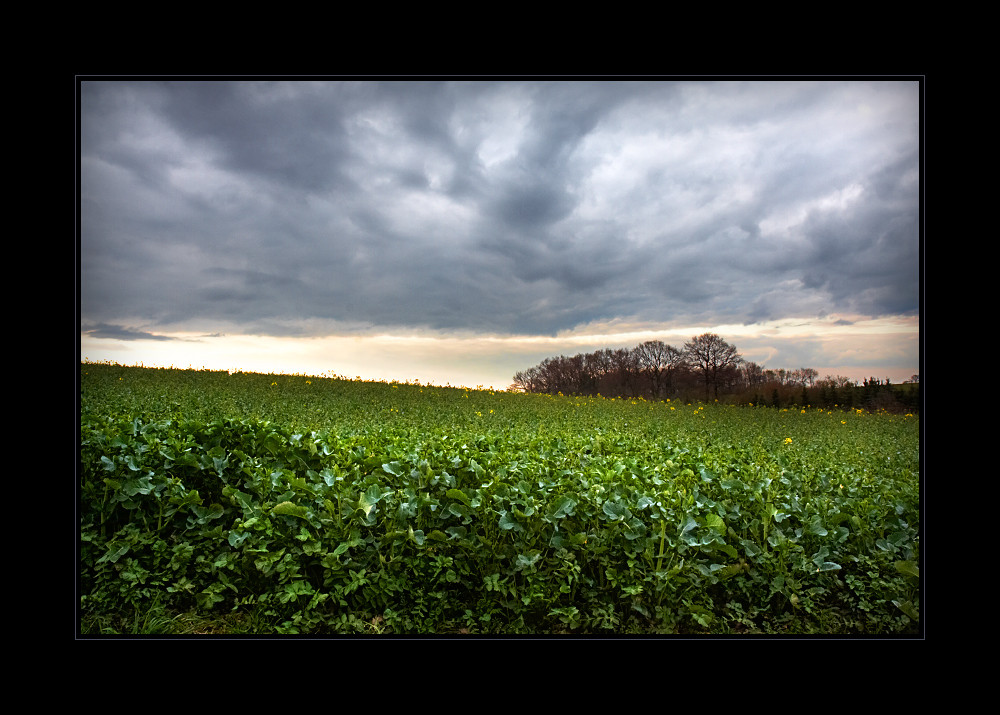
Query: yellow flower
point(788, 440)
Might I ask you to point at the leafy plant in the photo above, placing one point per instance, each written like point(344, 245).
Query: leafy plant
point(315, 505)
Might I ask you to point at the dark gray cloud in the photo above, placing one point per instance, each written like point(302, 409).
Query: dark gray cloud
point(117, 332)
point(294, 208)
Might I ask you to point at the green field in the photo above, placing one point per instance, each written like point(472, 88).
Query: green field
point(253, 504)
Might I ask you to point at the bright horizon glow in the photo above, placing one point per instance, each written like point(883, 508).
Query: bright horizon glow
point(856, 348)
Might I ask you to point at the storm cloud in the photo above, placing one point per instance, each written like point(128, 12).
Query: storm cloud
point(315, 208)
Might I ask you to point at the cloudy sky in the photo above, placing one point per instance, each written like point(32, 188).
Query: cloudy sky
point(459, 231)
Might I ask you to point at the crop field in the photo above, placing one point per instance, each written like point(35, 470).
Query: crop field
point(240, 503)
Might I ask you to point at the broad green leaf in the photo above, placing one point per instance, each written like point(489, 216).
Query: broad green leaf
point(644, 502)
point(750, 548)
point(729, 571)
point(908, 608)
point(898, 538)
point(142, 485)
point(287, 508)
point(529, 559)
point(187, 498)
point(220, 463)
point(816, 526)
point(835, 519)
point(369, 499)
point(688, 524)
point(508, 523)
point(820, 556)
point(114, 553)
point(728, 550)
point(244, 501)
point(460, 495)
point(207, 513)
point(456, 532)
point(208, 598)
point(636, 528)
point(563, 507)
point(908, 568)
point(616, 510)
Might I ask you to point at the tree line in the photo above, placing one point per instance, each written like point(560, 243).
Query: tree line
point(708, 368)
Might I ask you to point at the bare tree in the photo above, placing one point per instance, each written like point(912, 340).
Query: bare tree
point(712, 358)
point(753, 374)
point(626, 367)
point(576, 372)
point(600, 366)
point(528, 380)
point(658, 360)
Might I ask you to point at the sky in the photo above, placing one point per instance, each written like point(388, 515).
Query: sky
point(456, 232)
